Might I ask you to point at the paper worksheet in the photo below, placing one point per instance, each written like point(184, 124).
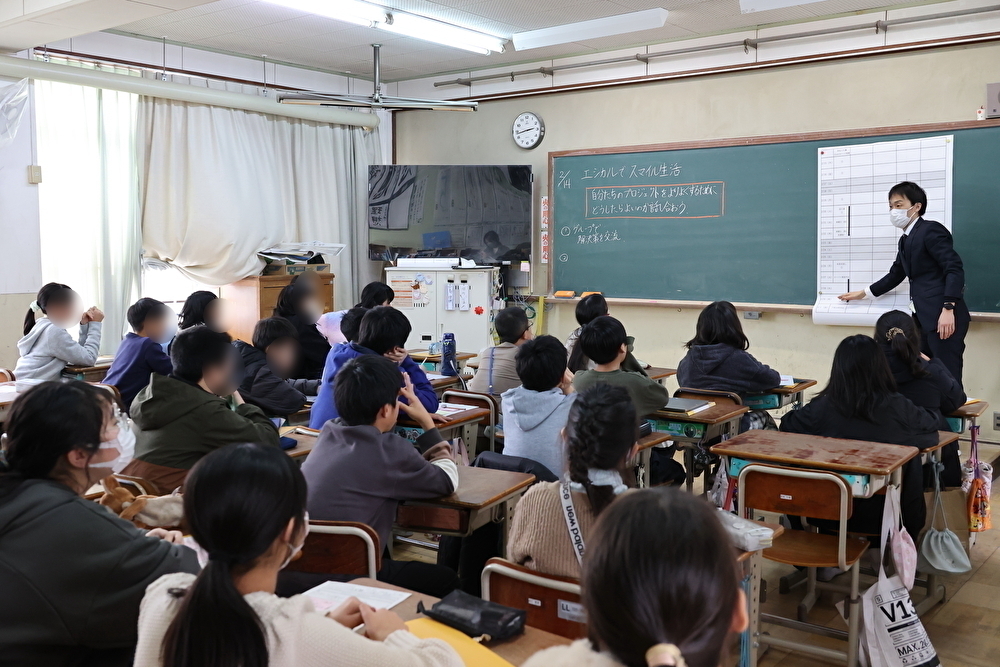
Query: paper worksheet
point(331, 594)
point(856, 242)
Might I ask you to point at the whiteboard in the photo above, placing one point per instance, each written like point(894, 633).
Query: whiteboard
point(856, 244)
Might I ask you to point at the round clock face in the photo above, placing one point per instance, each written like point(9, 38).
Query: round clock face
point(528, 130)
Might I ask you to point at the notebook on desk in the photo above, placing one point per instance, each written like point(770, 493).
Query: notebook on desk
point(687, 406)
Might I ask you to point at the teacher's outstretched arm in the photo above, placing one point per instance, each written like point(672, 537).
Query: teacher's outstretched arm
point(888, 282)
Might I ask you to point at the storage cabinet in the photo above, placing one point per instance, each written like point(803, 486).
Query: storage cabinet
point(254, 298)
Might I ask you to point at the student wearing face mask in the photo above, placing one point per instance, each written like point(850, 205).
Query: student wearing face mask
point(301, 304)
point(47, 348)
point(181, 417)
point(72, 574)
point(246, 507)
point(937, 279)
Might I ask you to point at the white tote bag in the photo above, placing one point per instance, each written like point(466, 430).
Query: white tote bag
point(893, 635)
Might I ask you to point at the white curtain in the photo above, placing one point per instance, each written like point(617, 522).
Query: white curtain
point(217, 185)
point(87, 199)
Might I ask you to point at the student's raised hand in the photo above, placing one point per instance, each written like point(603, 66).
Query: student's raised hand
point(413, 408)
point(442, 450)
point(567, 382)
point(380, 623)
point(171, 536)
point(95, 314)
point(852, 296)
point(347, 614)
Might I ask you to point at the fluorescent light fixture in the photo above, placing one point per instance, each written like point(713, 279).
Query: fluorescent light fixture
point(401, 23)
point(448, 34)
point(647, 19)
point(750, 6)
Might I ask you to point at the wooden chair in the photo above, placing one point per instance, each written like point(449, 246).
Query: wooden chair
point(553, 603)
point(114, 392)
point(820, 495)
point(340, 547)
point(475, 399)
point(7, 375)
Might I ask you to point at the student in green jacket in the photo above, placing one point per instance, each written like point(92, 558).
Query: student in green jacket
point(605, 342)
point(182, 417)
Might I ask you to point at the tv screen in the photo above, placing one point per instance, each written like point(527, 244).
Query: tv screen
point(475, 212)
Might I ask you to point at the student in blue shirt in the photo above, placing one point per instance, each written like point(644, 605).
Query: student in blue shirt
point(384, 331)
point(141, 353)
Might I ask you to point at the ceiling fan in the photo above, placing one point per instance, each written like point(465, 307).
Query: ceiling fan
point(376, 100)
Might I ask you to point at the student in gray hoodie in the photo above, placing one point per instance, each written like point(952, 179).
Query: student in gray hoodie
point(47, 348)
point(535, 413)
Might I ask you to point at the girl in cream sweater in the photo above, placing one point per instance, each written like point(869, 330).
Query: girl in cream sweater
point(668, 597)
point(245, 505)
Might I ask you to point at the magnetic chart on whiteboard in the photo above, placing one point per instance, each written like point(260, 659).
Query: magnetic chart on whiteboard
point(856, 242)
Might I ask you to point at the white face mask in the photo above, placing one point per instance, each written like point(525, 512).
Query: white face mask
point(123, 443)
point(899, 217)
point(110, 464)
point(297, 548)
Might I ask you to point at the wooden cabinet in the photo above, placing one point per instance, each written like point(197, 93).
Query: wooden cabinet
point(254, 298)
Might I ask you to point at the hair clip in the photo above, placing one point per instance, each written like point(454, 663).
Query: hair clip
point(665, 655)
point(893, 332)
point(35, 308)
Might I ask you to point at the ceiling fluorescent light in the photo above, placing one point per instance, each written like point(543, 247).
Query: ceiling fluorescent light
point(750, 6)
point(402, 23)
point(647, 19)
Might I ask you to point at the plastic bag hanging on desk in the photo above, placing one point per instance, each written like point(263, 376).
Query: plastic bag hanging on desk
point(13, 101)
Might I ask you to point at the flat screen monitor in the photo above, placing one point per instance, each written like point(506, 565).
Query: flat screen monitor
point(475, 212)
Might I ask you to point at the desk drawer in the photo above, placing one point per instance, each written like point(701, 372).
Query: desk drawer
point(862, 486)
point(763, 402)
point(432, 519)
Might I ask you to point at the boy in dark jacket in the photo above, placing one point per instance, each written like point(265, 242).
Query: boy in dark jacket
point(384, 331)
point(181, 417)
point(267, 364)
point(141, 353)
point(360, 470)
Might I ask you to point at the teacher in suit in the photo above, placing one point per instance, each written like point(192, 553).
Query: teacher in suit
point(937, 280)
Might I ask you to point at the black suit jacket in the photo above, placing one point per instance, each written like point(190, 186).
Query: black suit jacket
point(926, 256)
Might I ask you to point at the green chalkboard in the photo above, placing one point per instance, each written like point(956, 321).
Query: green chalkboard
point(739, 221)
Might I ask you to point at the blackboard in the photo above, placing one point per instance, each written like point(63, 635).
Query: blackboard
point(736, 219)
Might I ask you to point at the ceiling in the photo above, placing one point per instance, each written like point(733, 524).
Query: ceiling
point(255, 28)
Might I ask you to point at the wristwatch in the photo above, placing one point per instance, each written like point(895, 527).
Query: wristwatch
point(949, 305)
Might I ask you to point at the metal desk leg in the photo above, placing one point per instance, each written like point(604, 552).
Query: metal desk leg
point(470, 436)
point(645, 458)
point(753, 605)
point(689, 467)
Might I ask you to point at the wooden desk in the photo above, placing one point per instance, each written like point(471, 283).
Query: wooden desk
point(463, 424)
point(483, 496)
point(643, 456)
point(444, 382)
point(792, 395)
point(93, 373)
point(660, 374)
point(306, 440)
point(8, 392)
point(423, 356)
point(722, 419)
point(970, 412)
point(515, 650)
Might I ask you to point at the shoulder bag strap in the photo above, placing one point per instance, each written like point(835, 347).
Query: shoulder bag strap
point(572, 524)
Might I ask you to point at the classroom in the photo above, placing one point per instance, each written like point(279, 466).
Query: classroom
point(497, 332)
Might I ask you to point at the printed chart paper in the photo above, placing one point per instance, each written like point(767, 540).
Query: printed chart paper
point(856, 242)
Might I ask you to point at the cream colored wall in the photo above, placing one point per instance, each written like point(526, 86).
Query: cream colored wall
point(947, 85)
point(12, 310)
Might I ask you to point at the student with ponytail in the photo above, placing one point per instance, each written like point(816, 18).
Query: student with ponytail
point(660, 587)
point(47, 348)
point(599, 438)
point(926, 382)
point(246, 508)
point(72, 574)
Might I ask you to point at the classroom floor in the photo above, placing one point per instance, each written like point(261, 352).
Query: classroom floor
point(965, 630)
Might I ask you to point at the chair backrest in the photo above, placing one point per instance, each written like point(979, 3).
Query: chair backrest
point(340, 547)
point(113, 390)
point(6, 375)
point(718, 397)
point(553, 603)
point(814, 494)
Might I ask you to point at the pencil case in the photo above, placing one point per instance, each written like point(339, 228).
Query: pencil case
point(476, 617)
